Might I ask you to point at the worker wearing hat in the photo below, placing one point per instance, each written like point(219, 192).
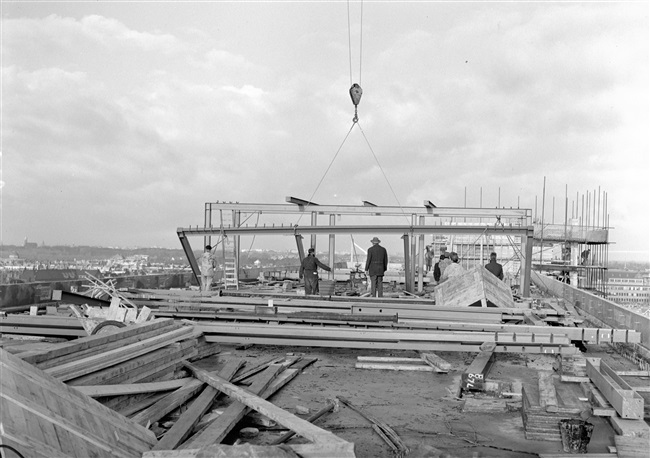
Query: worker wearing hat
point(309, 269)
point(376, 265)
point(207, 262)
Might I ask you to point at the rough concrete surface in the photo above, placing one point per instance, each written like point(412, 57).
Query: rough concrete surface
point(421, 407)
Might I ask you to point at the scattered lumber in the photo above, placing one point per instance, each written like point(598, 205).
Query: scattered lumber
point(219, 428)
point(627, 402)
point(300, 426)
point(382, 429)
point(477, 286)
point(43, 417)
point(180, 396)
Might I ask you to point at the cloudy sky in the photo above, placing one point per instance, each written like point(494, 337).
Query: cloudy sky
point(120, 119)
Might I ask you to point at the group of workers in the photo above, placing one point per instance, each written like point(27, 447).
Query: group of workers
point(376, 265)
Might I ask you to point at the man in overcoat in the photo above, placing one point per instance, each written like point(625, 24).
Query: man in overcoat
point(376, 265)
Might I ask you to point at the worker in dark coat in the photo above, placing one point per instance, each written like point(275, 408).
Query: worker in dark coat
point(494, 267)
point(309, 269)
point(376, 266)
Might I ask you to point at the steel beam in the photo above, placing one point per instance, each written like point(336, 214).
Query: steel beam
point(300, 206)
point(355, 229)
point(187, 248)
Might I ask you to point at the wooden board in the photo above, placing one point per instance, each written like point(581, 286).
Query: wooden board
point(42, 417)
point(477, 285)
point(474, 376)
point(300, 426)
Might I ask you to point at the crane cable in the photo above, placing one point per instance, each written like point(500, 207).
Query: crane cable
point(355, 94)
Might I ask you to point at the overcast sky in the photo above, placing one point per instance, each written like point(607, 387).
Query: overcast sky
point(120, 119)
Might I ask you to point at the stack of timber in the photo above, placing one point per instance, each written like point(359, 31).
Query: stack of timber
point(476, 287)
point(43, 417)
point(545, 405)
point(144, 352)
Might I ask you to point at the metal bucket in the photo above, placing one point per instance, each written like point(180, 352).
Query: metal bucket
point(576, 435)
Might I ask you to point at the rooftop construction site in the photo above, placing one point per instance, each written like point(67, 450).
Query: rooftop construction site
point(527, 365)
point(427, 330)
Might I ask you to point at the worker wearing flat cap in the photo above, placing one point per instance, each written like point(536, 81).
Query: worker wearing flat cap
point(376, 265)
point(309, 269)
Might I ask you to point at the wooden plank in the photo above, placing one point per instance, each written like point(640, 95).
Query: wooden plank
point(631, 428)
point(631, 447)
point(98, 349)
point(531, 318)
point(436, 361)
point(173, 400)
point(628, 404)
point(83, 366)
point(397, 367)
point(88, 342)
point(388, 359)
point(96, 391)
point(219, 428)
point(300, 426)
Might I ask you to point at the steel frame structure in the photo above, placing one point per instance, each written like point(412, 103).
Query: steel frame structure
point(447, 220)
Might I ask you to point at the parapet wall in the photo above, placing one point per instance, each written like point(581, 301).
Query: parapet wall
point(33, 293)
point(608, 312)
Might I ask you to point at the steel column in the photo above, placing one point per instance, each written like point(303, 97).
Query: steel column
point(422, 261)
point(330, 274)
point(407, 262)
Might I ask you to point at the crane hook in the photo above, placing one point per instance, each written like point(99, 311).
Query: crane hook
point(355, 94)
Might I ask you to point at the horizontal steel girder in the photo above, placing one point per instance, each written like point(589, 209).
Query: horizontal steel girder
point(373, 211)
point(417, 346)
point(368, 229)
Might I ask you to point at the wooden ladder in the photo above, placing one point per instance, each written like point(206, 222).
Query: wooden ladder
point(230, 273)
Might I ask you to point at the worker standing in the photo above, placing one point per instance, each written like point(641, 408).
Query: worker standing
point(208, 262)
point(309, 269)
point(376, 266)
point(494, 267)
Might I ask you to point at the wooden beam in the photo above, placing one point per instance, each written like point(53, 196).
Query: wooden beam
point(300, 426)
point(96, 391)
point(397, 367)
point(474, 376)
